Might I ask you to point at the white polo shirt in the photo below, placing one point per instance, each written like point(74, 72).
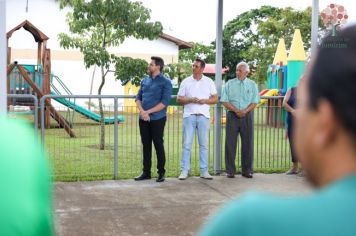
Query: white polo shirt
point(202, 89)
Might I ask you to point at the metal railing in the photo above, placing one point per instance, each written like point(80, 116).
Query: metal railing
point(80, 158)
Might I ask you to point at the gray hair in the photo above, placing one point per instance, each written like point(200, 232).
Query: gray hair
point(245, 65)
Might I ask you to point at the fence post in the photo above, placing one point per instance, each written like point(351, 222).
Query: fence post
point(116, 138)
point(218, 84)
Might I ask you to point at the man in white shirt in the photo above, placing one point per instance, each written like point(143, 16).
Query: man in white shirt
point(196, 93)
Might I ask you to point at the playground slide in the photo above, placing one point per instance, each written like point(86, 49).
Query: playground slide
point(85, 112)
point(267, 93)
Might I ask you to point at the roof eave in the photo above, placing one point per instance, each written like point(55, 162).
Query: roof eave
point(180, 43)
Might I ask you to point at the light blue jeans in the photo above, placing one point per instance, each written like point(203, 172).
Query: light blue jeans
point(190, 124)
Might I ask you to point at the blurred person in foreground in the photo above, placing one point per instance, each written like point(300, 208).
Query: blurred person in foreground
point(26, 194)
point(325, 139)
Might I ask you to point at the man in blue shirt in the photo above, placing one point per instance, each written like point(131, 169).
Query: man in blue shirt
point(325, 138)
point(152, 100)
point(240, 96)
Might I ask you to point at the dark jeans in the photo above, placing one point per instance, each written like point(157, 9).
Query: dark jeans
point(153, 131)
point(234, 127)
point(290, 132)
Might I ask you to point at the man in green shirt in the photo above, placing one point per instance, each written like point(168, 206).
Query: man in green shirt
point(240, 96)
point(26, 202)
point(326, 146)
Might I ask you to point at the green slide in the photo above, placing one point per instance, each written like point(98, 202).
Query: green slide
point(85, 112)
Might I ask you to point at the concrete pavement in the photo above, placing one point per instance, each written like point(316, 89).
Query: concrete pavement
point(174, 207)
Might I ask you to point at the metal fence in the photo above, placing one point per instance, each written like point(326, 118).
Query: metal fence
point(32, 112)
point(80, 157)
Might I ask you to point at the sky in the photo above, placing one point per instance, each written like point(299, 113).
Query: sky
point(195, 20)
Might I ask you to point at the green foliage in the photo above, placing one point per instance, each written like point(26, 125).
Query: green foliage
point(178, 70)
point(207, 53)
point(64, 3)
point(128, 69)
point(183, 68)
point(240, 34)
point(253, 37)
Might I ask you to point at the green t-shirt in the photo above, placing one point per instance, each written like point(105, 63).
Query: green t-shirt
point(329, 211)
point(26, 204)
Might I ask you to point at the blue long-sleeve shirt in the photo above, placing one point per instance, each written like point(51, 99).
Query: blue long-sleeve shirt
point(153, 92)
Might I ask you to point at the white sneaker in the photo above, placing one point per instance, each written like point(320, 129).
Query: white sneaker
point(206, 175)
point(183, 175)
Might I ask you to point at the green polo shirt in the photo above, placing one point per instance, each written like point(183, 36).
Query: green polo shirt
point(329, 211)
point(26, 202)
point(240, 93)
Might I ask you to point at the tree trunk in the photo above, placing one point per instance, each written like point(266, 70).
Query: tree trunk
point(91, 88)
point(102, 124)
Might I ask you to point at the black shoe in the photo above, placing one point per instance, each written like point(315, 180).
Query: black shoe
point(248, 175)
point(230, 175)
point(143, 176)
point(160, 178)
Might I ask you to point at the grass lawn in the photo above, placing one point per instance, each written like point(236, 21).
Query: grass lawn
point(80, 158)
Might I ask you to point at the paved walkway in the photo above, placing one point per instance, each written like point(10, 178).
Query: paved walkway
point(174, 207)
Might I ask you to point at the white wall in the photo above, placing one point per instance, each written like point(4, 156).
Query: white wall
point(153, 47)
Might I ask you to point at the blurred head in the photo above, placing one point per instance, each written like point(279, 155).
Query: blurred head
point(198, 66)
point(25, 182)
point(156, 65)
point(302, 78)
point(326, 118)
point(242, 70)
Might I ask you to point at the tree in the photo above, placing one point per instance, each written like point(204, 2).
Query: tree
point(178, 70)
point(64, 3)
point(96, 26)
point(183, 68)
point(239, 35)
point(128, 69)
point(207, 53)
point(253, 36)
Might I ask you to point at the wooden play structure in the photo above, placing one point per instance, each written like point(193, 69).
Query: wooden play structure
point(34, 79)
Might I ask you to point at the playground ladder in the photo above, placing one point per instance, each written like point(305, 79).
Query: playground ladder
point(68, 117)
